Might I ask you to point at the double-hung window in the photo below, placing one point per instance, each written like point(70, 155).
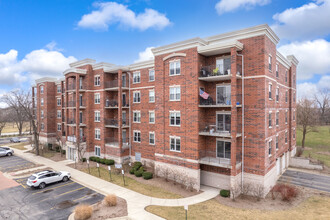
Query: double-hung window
point(294, 133)
point(223, 122)
point(270, 148)
point(41, 89)
point(286, 75)
point(175, 118)
point(59, 90)
point(97, 151)
point(97, 134)
point(137, 136)
point(270, 62)
point(151, 117)
point(175, 67)
point(59, 114)
point(59, 102)
point(286, 137)
point(294, 115)
point(175, 93)
point(42, 101)
point(286, 96)
point(42, 126)
point(276, 143)
point(277, 118)
point(152, 95)
point(277, 70)
point(97, 80)
point(136, 77)
point(136, 97)
point(97, 116)
point(151, 75)
point(59, 127)
point(152, 138)
point(270, 119)
point(286, 116)
point(136, 116)
point(175, 143)
point(97, 98)
point(223, 149)
point(270, 91)
point(42, 113)
point(277, 94)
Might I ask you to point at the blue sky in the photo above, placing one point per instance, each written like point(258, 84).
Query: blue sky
point(39, 38)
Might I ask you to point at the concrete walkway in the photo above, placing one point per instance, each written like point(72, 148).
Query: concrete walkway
point(136, 202)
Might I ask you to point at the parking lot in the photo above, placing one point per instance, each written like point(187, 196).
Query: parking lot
point(9, 164)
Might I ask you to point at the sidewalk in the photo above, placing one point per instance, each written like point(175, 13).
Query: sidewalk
point(136, 202)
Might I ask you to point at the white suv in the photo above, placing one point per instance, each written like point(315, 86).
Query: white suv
point(46, 177)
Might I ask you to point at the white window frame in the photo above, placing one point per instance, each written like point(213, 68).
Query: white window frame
point(270, 148)
point(138, 116)
point(137, 99)
point(136, 140)
point(277, 118)
point(59, 102)
point(152, 133)
point(152, 98)
point(175, 63)
point(41, 113)
point(97, 80)
point(97, 149)
point(270, 95)
point(42, 101)
point(270, 58)
point(150, 71)
point(59, 127)
point(277, 94)
point(175, 94)
point(136, 77)
point(97, 98)
point(59, 90)
point(97, 116)
point(175, 143)
point(154, 118)
point(41, 89)
point(270, 120)
point(97, 134)
point(59, 114)
point(175, 118)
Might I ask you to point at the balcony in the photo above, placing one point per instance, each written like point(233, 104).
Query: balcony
point(210, 158)
point(71, 104)
point(111, 103)
point(113, 142)
point(111, 85)
point(111, 123)
point(71, 122)
point(71, 88)
point(213, 73)
point(82, 88)
point(73, 139)
point(82, 104)
point(221, 101)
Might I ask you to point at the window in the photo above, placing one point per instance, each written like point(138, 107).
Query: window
point(270, 91)
point(175, 143)
point(137, 136)
point(152, 95)
point(151, 75)
point(223, 95)
point(175, 68)
point(41, 89)
point(294, 133)
point(294, 115)
point(97, 80)
point(286, 96)
point(42, 126)
point(286, 75)
point(59, 90)
point(59, 102)
point(97, 134)
point(136, 116)
point(136, 77)
point(59, 114)
point(270, 148)
point(277, 94)
point(286, 137)
point(294, 79)
point(276, 143)
point(42, 101)
point(294, 97)
point(59, 127)
point(223, 149)
point(136, 97)
point(286, 116)
point(175, 118)
point(277, 70)
point(277, 118)
point(270, 62)
point(97, 151)
point(175, 93)
point(97, 98)
point(42, 113)
point(97, 116)
point(270, 119)
point(152, 117)
point(223, 122)
point(152, 138)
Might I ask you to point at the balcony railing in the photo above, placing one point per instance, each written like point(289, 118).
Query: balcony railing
point(111, 103)
point(221, 100)
point(210, 158)
point(111, 84)
point(111, 122)
point(114, 142)
point(71, 87)
point(214, 70)
point(125, 122)
point(216, 130)
point(71, 121)
point(82, 103)
point(74, 139)
point(71, 104)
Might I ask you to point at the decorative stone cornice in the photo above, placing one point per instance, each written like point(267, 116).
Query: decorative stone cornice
point(293, 59)
point(46, 79)
point(174, 55)
point(82, 63)
point(75, 70)
point(281, 59)
point(142, 65)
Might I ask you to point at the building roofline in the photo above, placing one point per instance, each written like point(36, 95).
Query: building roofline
point(293, 59)
point(46, 79)
point(284, 61)
point(83, 62)
point(75, 70)
point(142, 65)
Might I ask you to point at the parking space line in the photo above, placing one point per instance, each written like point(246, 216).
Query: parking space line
point(55, 187)
point(69, 192)
point(81, 198)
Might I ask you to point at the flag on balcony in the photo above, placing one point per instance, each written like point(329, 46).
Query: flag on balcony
point(203, 94)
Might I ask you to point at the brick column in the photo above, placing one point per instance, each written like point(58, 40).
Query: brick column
point(77, 108)
point(66, 108)
point(233, 110)
point(120, 112)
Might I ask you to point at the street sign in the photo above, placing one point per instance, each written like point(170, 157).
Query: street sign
point(122, 172)
point(118, 166)
point(109, 168)
point(97, 164)
point(186, 207)
point(87, 161)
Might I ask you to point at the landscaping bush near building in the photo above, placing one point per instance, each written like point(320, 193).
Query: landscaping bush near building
point(102, 161)
point(224, 193)
point(83, 159)
point(110, 200)
point(138, 173)
point(83, 212)
point(147, 175)
point(300, 151)
point(287, 192)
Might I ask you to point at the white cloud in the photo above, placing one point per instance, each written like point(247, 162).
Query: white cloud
point(309, 90)
point(9, 68)
point(305, 22)
point(145, 55)
point(111, 12)
point(231, 5)
point(313, 56)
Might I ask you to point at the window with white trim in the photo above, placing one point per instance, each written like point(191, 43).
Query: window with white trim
point(175, 93)
point(41, 89)
point(175, 67)
point(59, 89)
point(286, 96)
point(152, 138)
point(294, 97)
point(286, 75)
point(136, 116)
point(136, 77)
point(136, 97)
point(97, 98)
point(97, 116)
point(175, 118)
point(270, 119)
point(97, 80)
point(277, 118)
point(42, 126)
point(42, 101)
point(137, 136)
point(151, 117)
point(270, 148)
point(277, 94)
point(175, 143)
point(294, 115)
point(152, 95)
point(151, 75)
point(59, 102)
point(270, 91)
point(276, 143)
point(286, 137)
point(277, 70)
point(286, 116)
point(97, 151)
point(59, 127)
point(42, 113)
point(59, 114)
point(97, 134)
point(223, 149)
point(270, 62)
point(294, 133)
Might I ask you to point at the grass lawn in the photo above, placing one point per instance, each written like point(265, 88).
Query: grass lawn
point(313, 208)
point(19, 146)
point(318, 144)
point(11, 127)
point(132, 184)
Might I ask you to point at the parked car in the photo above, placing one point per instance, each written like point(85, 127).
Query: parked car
point(43, 178)
point(6, 151)
point(15, 140)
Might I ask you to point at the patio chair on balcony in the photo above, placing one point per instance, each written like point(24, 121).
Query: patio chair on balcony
point(204, 72)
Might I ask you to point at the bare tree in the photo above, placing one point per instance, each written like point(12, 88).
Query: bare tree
point(60, 142)
point(322, 99)
point(306, 117)
point(3, 119)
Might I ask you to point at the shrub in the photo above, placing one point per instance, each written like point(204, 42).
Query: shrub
point(92, 158)
point(137, 165)
point(97, 159)
point(102, 161)
point(63, 151)
point(147, 175)
point(141, 168)
point(224, 193)
point(109, 162)
point(287, 192)
point(110, 200)
point(83, 159)
point(138, 173)
point(300, 151)
point(131, 171)
point(83, 212)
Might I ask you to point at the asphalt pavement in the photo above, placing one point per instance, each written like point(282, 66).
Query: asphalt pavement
point(12, 163)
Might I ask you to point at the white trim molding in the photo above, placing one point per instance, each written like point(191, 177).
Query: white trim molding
point(174, 55)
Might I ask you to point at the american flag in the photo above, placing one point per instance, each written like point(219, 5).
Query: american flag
point(203, 94)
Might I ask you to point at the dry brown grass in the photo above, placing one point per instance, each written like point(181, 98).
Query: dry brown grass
point(110, 200)
point(83, 212)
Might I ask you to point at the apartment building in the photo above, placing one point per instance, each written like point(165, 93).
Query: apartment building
point(219, 110)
